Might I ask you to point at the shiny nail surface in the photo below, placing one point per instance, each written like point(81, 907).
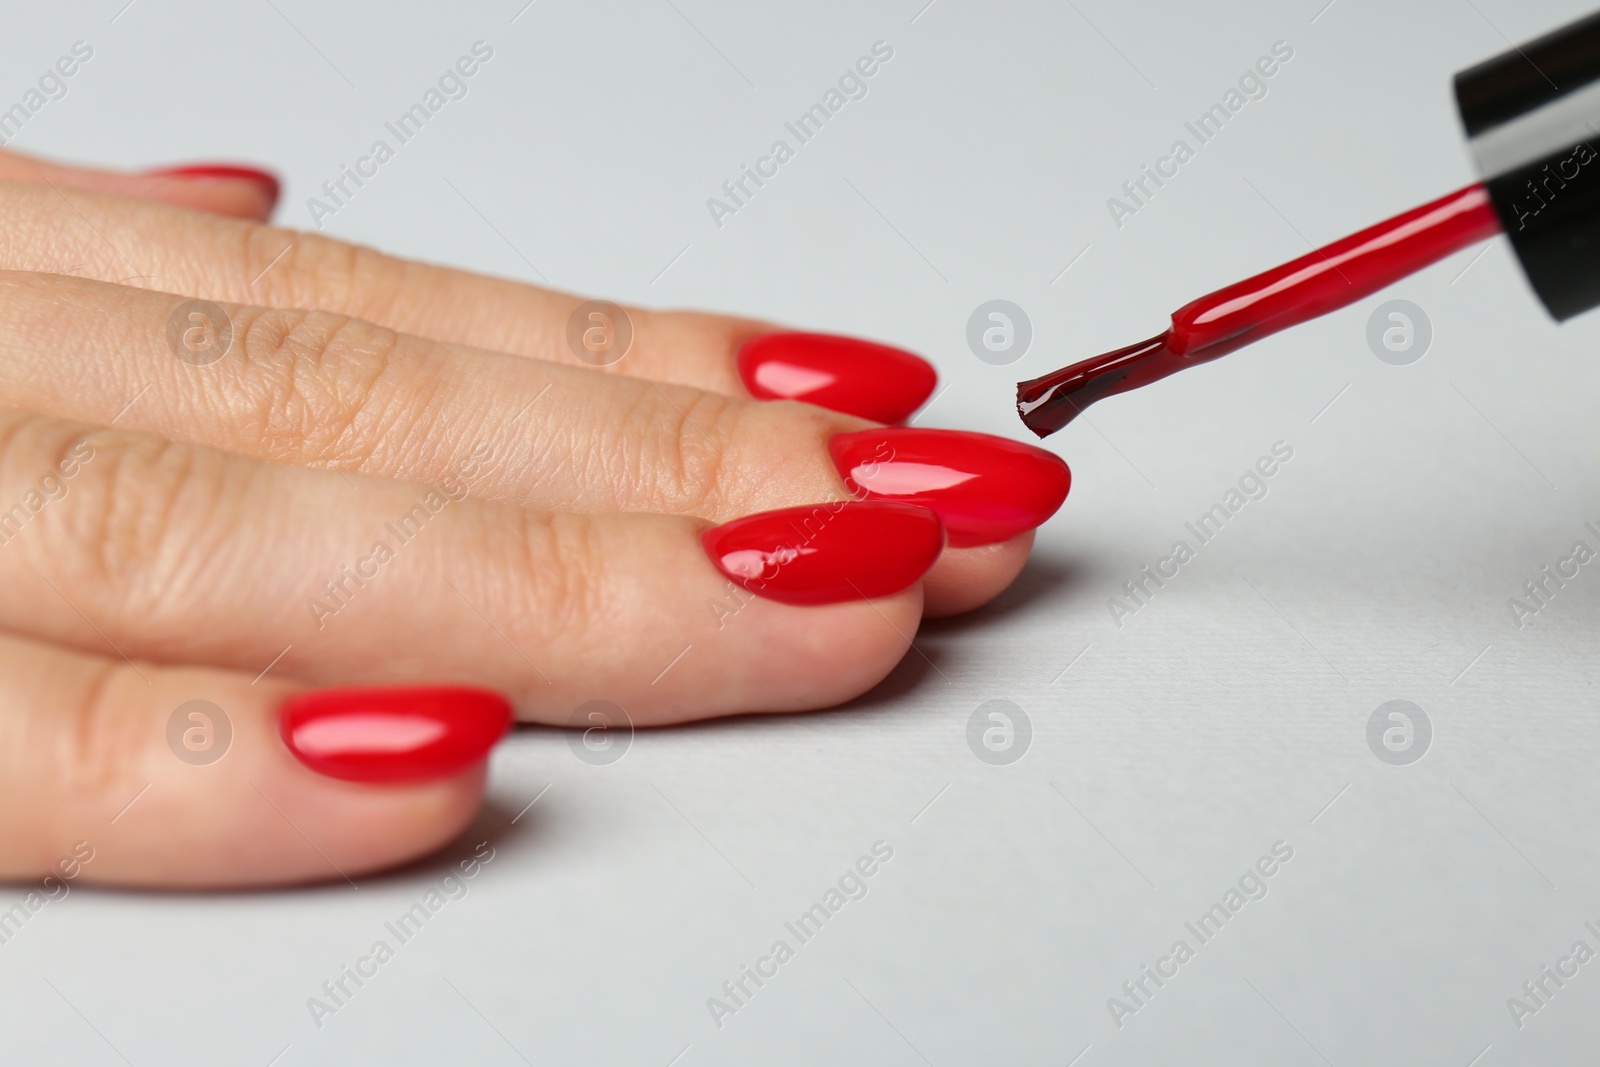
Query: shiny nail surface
point(398, 734)
point(827, 553)
point(985, 489)
point(223, 171)
point(842, 374)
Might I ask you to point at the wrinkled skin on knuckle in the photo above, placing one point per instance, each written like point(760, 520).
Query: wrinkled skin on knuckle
point(69, 758)
point(318, 272)
point(148, 529)
point(551, 580)
point(636, 446)
point(317, 388)
point(689, 451)
point(99, 737)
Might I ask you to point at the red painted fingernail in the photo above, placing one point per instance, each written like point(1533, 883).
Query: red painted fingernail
point(398, 734)
point(985, 489)
point(216, 171)
point(838, 373)
point(826, 553)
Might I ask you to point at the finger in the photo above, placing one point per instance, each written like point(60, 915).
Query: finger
point(965, 579)
point(227, 260)
point(328, 391)
point(217, 188)
point(178, 777)
point(120, 543)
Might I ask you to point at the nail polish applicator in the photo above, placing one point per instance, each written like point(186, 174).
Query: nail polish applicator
point(1532, 120)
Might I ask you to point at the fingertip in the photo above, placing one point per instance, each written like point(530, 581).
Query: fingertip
point(805, 658)
point(393, 734)
point(831, 596)
point(968, 578)
point(377, 829)
point(228, 804)
point(363, 787)
point(265, 180)
point(844, 374)
point(986, 489)
point(218, 188)
point(826, 553)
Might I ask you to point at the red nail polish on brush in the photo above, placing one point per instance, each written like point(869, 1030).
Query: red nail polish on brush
point(827, 553)
point(224, 171)
point(1530, 116)
point(394, 734)
point(984, 489)
point(842, 374)
point(1228, 319)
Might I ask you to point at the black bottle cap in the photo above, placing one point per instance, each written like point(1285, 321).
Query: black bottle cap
point(1532, 118)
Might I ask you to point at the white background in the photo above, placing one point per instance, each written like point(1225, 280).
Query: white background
point(1227, 715)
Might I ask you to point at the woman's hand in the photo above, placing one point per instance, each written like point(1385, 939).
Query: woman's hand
point(238, 464)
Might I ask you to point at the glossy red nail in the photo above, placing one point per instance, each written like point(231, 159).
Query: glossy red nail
point(985, 489)
point(397, 734)
point(838, 373)
point(827, 553)
point(216, 171)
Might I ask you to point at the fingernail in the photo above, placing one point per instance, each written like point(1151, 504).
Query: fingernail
point(222, 171)
point(985, 489)
point(399, 734)
point(838, 373)
point(827, 553)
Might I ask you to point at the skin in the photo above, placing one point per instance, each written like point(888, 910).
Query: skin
point(177, 562)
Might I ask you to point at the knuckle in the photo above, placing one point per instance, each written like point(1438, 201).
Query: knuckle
point(318, 384)
point(306, 270)
point(67, 753)
point(686, 470)
point(562, 565)
point(137, 498)
point(102, 734)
